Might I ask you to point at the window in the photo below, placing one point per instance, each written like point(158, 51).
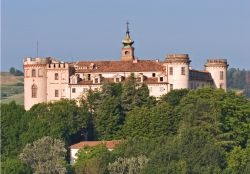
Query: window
point(96, 80)
point(56, 76)
point(73, 90)
point(183, 71)
point(153, 74)
point(56, 93)
point(161, 79)
point(171, 87)
point(117, 79)
point(88, 76)
point(126, 52)
point(34, 91)
point(221, 75)
point(33, 73)
point(170, 70)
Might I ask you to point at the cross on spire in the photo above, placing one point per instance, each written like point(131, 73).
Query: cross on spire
point(127, 26)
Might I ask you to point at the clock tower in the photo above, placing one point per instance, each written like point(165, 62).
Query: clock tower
point(128, 49)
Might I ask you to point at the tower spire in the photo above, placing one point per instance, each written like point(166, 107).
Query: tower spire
point(128, 49)
point(127, 41)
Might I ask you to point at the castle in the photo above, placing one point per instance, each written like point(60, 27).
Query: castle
point(48, 79)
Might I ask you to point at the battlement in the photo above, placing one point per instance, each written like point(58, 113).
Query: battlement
point(216, 62)
point(59, 65)
point(34, 61)
point(177, 56)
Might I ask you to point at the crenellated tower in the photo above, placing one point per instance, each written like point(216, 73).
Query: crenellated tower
point(218, 71)
point(128, 49)
point(35, 81)
point(177, 70)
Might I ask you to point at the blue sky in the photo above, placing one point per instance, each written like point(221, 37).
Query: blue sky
point(93, 30)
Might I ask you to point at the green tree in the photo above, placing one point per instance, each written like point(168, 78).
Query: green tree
point(62, 119)
point(12, 70)
point(93, 160)
point(11, 129)
point(108, 118)
point(150, 122)
point(45, 155)
point(133, 165)
point(174, 97)
point(238, 159)
point(14, 166)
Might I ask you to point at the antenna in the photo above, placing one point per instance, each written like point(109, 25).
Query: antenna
point(37, 48)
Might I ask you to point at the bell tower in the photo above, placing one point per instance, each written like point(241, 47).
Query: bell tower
point(128, 49)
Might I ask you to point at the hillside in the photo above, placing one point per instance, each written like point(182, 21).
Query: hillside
point(11, 88)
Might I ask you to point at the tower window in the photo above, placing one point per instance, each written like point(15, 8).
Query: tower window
point(73, 90)
point(56, 93)
point(34, 91)
point(221, 75)
point(183, 71)
point(33, 73)
point(170, 70)
point(56, 76)
point(153, 74)
point(126, 52)
point(161, 79)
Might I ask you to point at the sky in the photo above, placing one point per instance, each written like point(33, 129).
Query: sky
point(93, 30)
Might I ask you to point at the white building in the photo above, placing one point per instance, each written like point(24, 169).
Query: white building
point(48, 79)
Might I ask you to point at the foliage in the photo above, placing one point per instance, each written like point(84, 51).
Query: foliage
point(62, 119)
point(239, 159)
point(150, 122)
point(174, 97)
point(15, 72)
point(14, 166)
point(11, 115)
point(45, 155)
point(93, 160)
point(132, 165)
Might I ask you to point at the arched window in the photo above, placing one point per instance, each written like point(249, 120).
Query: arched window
point(56, 76)
point(34, 91)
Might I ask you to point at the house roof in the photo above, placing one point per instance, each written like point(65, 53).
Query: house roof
point(200, 75)
point(118, 66)
point(108, 144)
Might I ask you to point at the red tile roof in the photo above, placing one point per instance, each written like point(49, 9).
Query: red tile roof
point(109, 144)
point(118, 66)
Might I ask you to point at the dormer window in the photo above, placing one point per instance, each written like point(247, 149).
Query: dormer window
point(97, 79)
point(140, 78)
point(117, 78)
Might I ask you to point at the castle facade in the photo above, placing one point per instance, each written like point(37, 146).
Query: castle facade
point(49, 79)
